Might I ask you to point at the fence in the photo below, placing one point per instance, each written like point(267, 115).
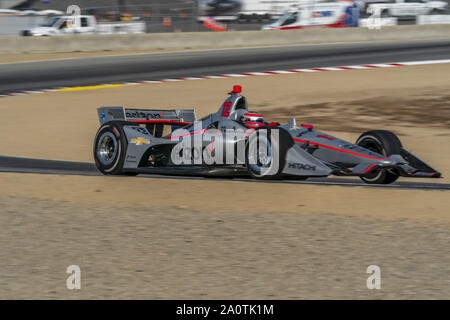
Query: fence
point(158, 15)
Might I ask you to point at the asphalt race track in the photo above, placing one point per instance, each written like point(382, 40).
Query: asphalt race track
point(28, 76)
point(27, 165)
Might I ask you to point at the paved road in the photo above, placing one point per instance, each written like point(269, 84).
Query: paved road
point(16, 77)
point(27, 165)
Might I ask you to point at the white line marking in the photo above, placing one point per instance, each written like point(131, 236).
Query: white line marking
point(193, 78)
point(214, 77)
point(33, 92)
point(171, 80)
point(256, 73)
point(150, 81)
point(282, 72)
point(233, 75)
point(415, 63)
point(356, 67)
point(306, 70)
point(383, 65)
point(332, 69)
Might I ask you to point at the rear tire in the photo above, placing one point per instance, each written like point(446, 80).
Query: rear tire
point(110, 147)
point(383, 142)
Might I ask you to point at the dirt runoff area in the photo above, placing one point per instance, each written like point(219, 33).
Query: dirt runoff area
point(136, 237)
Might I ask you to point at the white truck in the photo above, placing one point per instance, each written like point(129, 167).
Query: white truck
point(244, 10)
point(83, 24)
point(407, 8)
point(259, 10)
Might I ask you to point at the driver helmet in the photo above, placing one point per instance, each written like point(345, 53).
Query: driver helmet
point(252, 120)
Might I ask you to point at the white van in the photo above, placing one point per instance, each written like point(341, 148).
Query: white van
point(83, 24)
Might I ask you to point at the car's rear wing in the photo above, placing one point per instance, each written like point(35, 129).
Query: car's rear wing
point(182, 116)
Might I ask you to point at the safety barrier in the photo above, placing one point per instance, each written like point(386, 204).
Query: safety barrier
point(433, 19)
point(200, 40)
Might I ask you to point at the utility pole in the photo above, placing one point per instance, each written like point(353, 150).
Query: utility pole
point(122, 6)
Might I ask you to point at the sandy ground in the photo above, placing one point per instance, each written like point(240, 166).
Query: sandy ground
point(157, 253)
point(171, 238)
point(209, 195)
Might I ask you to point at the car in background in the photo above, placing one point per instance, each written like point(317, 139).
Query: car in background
point(327, 14)
point(408, 8)
point(221, 7)
point(364, 4)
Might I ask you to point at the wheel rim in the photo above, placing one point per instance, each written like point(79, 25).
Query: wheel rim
point(373, 176)
point(373, 146)
point(260, 155)
point(107, 148)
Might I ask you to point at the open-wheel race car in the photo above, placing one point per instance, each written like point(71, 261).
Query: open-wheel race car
point(235, 141)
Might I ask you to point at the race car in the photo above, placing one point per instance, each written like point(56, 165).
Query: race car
point(235, 142)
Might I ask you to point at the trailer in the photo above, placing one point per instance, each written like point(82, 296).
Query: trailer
point(244, 10)
point(327, 14)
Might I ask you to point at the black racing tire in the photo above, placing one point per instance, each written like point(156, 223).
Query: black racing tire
point(280, 148)
point(296, 178)
point(383, 142)
point(110, 146)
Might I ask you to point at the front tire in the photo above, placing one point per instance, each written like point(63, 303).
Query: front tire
point(110, 146)
point(270, 164)
point(383, 142)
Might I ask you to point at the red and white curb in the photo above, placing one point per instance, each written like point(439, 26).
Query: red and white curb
point(239, 75)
